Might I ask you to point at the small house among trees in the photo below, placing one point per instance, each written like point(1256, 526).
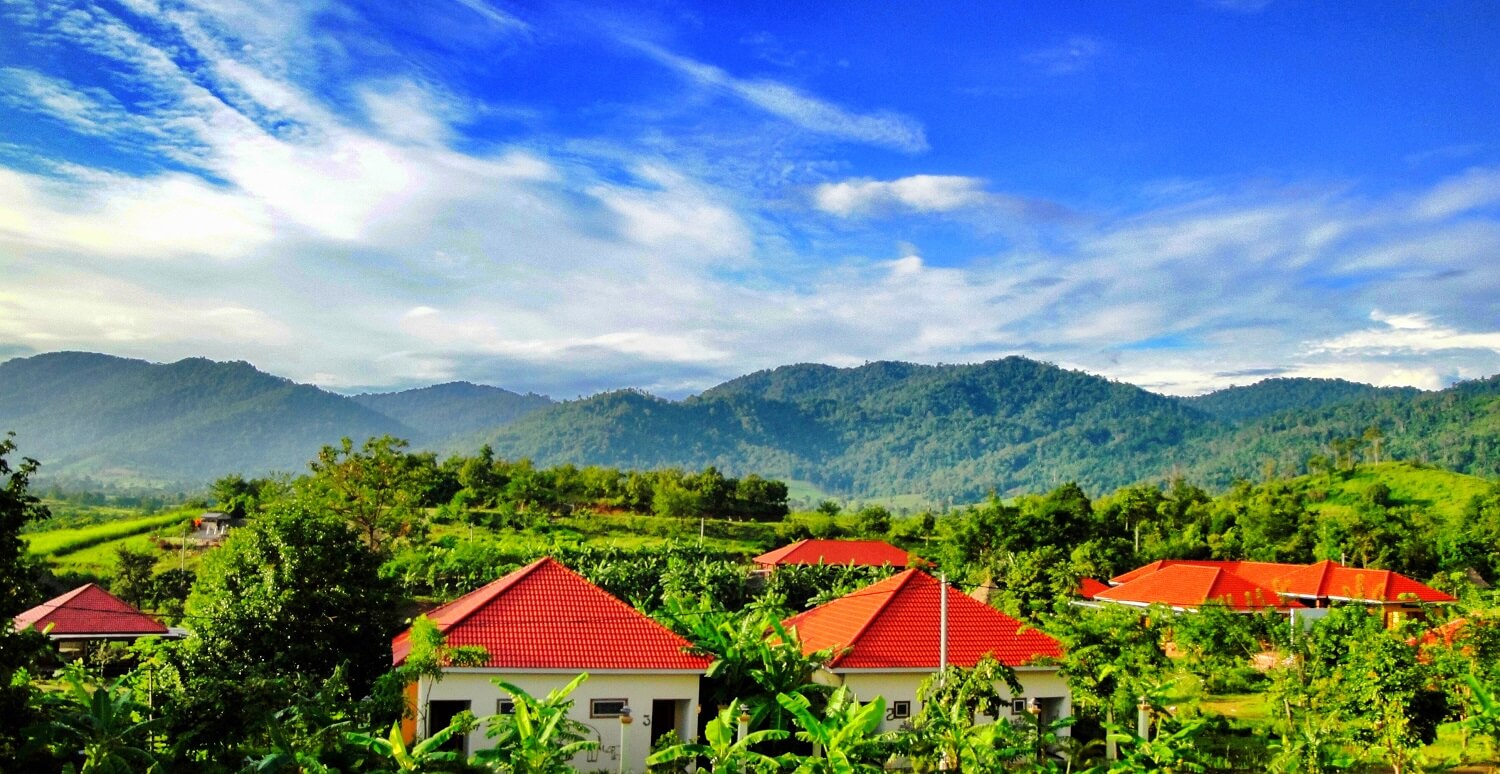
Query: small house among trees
point(864, 553)
point(89, 614)
point(1305, 588)
point(887, 639)
point(540, 627)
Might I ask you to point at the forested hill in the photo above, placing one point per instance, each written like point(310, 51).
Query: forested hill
point(189, 421)
point(884, 428)
point(1273, 396)
point(452, 410)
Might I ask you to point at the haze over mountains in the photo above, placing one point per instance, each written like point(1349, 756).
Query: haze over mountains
point(884, 428)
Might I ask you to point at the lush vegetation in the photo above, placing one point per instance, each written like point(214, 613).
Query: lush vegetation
point(332, 556)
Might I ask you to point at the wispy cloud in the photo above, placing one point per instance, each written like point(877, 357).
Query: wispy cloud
point(925, 194)
point(1073, 55)
point(882, 128)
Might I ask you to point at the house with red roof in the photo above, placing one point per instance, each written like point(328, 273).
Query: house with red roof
point(541, 626)
point(865, 553)
point(1300, 589)
point(89, 614)
point(886, 639)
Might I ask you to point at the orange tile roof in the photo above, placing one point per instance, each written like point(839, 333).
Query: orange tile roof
point(545, 616)
point(1193, 585)
point(89, 610)
point(1322, 580)
point(1328, 579)
point(893, 624)
point(873, 553)
point(1262, 573)
point(1088, 587)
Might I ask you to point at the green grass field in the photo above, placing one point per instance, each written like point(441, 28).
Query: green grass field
point(61, 542)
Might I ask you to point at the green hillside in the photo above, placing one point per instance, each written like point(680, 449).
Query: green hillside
point(1273, 396)
point(882, 430)
point(186, 421)
point(438, 413)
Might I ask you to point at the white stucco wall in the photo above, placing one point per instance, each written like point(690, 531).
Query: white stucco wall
point(637, 688)
point(902, 686)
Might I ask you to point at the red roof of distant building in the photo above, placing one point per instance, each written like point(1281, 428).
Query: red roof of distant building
point(1328, 579)
point(89, 610)
point(1088, 587)
point(545, 616)
point(1260, 573)
point(893, 624)
point(1324, 580)
point(1192, 586)
point(873, 553)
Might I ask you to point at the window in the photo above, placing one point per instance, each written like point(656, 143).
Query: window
point(505, 707)
point(1018, 706)
point(900, 709)
point(607, 708)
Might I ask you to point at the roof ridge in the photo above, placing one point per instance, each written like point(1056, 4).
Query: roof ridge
point(509, 580)
point(880, 608)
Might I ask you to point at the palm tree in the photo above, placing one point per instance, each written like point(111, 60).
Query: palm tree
point(538, 737)
point(725, 754)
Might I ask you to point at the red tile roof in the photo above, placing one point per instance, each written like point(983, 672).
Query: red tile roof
point(1191, 586)
point(873, 553)
point(1088, 587)
point(1331, 580)
point(89, 610)
point(1326, 579)
point(893, 624)
point(1260, 573)
point(545, 616)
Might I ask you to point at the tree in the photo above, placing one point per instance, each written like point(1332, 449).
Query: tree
point(132, 581)
point(18, 650)
point(17, 506)
point(1374, 436)
point(378, 489)
point(289, 602)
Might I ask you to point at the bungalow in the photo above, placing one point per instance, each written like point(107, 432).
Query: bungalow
point(867, 553)
point(886, 640)
point(544, 624)
point(1189, 587)
point(90, 614)
point(1302, 589)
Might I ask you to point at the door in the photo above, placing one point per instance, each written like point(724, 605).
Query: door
point(663, 719)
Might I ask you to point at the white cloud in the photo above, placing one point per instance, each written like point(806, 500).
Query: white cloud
point(1471, 190)
point(884, 128)
point(1408, 334)
point(918, 193)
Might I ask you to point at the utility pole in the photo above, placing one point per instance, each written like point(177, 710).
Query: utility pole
point(942, 628)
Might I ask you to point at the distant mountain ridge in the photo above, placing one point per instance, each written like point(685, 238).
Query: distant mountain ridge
point(880, 429)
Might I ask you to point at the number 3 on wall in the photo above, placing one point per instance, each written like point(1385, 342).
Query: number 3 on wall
point(646, 720)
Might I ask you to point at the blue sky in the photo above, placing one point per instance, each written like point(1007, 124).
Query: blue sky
point(568, 197)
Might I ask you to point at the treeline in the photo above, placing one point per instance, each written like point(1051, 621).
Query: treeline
point(488, 489)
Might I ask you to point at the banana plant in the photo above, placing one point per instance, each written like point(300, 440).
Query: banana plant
point(725, 754)
point(105, 728)
point(426, 755)
point(846, 739)
point(538, 737)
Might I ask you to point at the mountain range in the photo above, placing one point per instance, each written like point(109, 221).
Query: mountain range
point(885, 428)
